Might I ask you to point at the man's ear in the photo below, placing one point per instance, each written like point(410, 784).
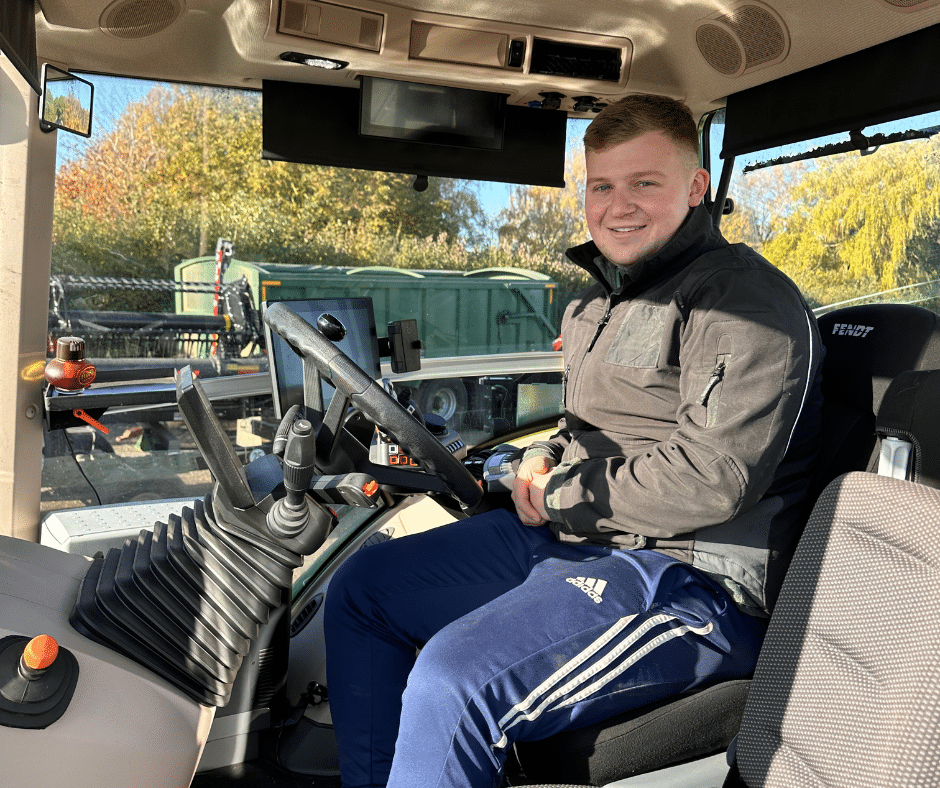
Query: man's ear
point(698, 187)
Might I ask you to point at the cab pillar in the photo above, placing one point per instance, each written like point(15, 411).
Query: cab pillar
point(27, 190)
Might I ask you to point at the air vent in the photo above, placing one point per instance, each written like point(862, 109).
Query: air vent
point(559, 59)
point(748, 37)
point(270, 676)
point(305, 616)
point(331, 23)
point(139, 18)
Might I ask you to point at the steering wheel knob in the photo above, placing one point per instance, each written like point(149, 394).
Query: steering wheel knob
point(330, 327)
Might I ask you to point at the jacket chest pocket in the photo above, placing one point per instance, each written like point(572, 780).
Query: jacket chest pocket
point(711, 394)
point(639, 339)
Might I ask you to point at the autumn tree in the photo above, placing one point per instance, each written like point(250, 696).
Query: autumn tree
point(541, 222)
point(762, 200)
point(865, 223)
point(182, 167)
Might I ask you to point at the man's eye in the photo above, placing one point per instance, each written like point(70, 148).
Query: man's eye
point(602, 187)
point(645, 184)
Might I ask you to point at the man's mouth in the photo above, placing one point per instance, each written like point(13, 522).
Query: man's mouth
point(625, 230)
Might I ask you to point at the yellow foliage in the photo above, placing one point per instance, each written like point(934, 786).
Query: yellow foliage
point(851, 224)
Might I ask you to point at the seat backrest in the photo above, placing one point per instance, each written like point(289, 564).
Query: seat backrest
point(909, 428)
point(867, 347)
point(847, 687)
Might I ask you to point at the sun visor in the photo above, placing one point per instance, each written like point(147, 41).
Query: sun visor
point(320, 124)
point(18, 38)
point(887, 82)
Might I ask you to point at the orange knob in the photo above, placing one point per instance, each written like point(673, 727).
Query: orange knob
point(40, 652)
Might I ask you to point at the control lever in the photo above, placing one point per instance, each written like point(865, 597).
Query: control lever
point(290, 515)
point(283, 430)
point(404, 397)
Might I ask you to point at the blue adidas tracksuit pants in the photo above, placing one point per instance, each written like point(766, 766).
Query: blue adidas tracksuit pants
point(520, 637)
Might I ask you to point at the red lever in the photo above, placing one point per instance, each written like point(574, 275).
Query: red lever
point(79, 413)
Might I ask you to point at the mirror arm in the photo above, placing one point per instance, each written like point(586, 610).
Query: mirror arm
point(719, 207)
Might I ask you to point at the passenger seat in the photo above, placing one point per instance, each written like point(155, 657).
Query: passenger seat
point(846, 693)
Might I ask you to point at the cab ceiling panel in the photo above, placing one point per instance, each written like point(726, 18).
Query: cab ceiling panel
point(524, 62)
point(331, 23)
point(588, 53)
point(185, 40)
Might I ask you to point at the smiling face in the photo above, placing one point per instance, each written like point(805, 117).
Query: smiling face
point(638, 193)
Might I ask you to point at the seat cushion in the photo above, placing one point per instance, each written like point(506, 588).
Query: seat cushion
point(652, 737)
point(846, 692)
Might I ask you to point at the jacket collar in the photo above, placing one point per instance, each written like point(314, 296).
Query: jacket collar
point(696, 236)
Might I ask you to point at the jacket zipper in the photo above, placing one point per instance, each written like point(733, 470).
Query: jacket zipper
point(717, 374)
point(600, 325)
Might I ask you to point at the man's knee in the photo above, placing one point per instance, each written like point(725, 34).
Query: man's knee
point(354, 583)
point(446, 668)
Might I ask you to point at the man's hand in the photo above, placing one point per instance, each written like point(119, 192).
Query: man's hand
point(528, 490)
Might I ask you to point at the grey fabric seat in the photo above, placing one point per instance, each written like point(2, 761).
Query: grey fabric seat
point(847, 688)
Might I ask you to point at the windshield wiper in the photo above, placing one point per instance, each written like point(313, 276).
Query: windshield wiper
point(857, 141)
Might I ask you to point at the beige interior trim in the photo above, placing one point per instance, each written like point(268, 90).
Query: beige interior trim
point(27, 188)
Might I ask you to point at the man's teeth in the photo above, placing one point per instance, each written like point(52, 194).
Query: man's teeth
point(626, 229)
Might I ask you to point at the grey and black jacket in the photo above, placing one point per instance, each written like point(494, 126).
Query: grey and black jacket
point(691, 410)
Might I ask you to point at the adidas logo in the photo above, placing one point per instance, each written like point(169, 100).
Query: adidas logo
point(590, 586)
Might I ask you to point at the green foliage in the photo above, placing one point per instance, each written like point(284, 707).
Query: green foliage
point(67, 111)
point(182, 168)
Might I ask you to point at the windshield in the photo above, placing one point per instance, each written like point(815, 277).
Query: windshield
point(853, 227)
point(171, 231)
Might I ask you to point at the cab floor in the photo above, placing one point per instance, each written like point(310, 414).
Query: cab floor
point(260, 774)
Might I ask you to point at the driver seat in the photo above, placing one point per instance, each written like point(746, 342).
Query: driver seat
point(867, 347)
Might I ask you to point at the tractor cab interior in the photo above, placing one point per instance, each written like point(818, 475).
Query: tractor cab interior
point(376, 339)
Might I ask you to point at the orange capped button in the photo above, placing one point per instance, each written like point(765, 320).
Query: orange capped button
point(371, 487)
point(40, 652)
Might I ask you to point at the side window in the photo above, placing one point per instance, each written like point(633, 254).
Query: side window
point(712, 135)
point(851, 219)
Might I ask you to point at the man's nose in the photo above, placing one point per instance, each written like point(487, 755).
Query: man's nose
point(622, 203)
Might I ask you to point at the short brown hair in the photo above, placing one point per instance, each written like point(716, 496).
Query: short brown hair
point(638, 114)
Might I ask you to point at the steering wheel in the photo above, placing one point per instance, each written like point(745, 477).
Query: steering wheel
point(323, 360)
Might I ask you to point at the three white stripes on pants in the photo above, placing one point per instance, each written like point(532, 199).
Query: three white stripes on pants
point(601, 672)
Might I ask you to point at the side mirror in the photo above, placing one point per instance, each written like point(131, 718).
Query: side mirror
point(65, 102)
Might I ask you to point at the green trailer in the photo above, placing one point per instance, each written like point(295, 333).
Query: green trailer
point(459, 313)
